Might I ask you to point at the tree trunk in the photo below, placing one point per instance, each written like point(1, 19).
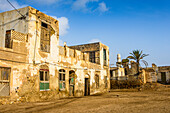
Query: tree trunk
point(138, 67)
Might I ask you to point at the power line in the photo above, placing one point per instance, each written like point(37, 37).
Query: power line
point(16, 9)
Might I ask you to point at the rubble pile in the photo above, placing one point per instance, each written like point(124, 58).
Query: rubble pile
point(152, 86)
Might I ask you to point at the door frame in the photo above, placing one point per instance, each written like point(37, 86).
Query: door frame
point(9, 78)
point(86, 89)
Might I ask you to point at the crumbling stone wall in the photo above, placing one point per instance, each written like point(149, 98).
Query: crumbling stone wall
point(166, 71)
point(25, 75)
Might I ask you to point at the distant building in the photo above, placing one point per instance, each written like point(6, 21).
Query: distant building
point(164, 74)
point(126, 71)
point(118, 73)
point(150, 75)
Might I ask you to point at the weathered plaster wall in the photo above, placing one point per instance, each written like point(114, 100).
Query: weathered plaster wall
point(167, 77)
point(24, 80)
point(10, 20)
point(15, 58)
point(165, 69)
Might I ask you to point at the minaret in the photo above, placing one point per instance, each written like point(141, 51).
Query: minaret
point(118, 63)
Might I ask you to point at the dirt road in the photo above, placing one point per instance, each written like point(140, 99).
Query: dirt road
point(113, 102)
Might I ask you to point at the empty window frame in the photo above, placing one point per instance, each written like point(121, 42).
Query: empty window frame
point(105, 81)
point(4, 74)
point(44, 79)
point(4, 81)
point(104, 57)
point(62, 74)
point(97, 81)
point(8, 39)
point(45, 37)
point(92, 57)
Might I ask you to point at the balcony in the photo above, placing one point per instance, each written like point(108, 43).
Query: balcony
point(15, 47)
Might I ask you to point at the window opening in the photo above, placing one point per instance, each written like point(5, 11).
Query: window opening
point(104, 56)
point(61, 79)
point(4, 81)
point(44, 80)
point(92, 57)
point(8, 39)
point(105, 81)
point(97, 81)
point(46, 32)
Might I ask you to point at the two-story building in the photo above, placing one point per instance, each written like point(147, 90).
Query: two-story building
point(33, 64)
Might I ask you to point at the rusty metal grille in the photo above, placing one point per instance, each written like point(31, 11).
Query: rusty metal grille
point(18, 36)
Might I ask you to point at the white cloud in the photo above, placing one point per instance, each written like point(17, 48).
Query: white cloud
point(46, 1)
point(81, 4)
point(63, 25)
point(102, 7)
point(94, 40)
point(5, 6)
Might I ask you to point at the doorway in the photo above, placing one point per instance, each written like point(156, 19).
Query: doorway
point(87, 87)
point(71, 83)
point(4, 81)
point(163, 77)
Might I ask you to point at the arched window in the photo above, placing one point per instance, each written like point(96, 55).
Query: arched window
point(97, 81)
point(44, 78)
point(62, 79)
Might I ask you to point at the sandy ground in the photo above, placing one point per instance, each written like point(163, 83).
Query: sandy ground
point(117, 101)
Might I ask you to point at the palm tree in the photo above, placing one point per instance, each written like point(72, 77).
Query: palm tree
point(137, 56)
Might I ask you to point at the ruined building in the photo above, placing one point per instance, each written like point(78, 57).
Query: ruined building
point(126, 71)
point(33, 64)
point(164, 74)
point(118, 73)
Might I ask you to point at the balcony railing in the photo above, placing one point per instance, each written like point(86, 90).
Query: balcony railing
point(73, 53)
point(12, 36)
point(15, 47)
point(18, 36)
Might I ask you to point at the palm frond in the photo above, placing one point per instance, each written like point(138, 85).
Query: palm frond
point(146, 63)
point(131, 57)
point(143, 55)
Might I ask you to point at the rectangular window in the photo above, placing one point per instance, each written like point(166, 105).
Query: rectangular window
point(104, 57)
point(4, 73)
point(61, 79)
point(92, 57)
point(4, 81)
point(97, 81)
point(8, 39)
point(105, 81)
point(45, 37)
point(41, 75)
point(44, 80)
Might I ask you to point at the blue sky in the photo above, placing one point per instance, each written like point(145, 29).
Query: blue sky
point(123, 25)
